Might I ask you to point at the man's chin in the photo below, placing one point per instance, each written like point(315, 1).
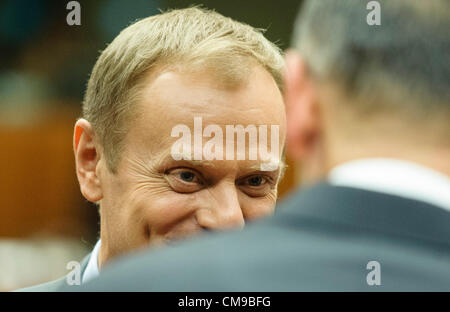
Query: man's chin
point(179, 238)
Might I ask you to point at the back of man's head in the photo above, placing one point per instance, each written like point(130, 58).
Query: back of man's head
point(399, 69)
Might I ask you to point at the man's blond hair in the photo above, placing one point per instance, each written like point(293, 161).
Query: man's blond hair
point(187, 37)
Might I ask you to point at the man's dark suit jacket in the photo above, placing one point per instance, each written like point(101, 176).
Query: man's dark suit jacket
point(321, 239)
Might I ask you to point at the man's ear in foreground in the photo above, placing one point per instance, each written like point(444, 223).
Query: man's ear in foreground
point(87, 156)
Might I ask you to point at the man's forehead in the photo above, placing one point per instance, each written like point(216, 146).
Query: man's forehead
point(196, 104)
point(176, 95)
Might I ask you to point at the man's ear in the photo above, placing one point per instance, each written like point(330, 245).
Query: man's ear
point(301, 108)
point(87, 157)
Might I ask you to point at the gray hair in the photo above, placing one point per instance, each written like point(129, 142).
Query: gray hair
point(405, 60)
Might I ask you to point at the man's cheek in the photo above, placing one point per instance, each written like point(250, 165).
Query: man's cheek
point(259, 208)
point(163, 210)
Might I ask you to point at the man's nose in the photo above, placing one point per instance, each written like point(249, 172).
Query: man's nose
point(224, 210)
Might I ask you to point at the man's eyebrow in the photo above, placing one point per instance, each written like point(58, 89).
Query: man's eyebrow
point(280, 169)
point(257, 167)
point(197, 163)
point(168, 159)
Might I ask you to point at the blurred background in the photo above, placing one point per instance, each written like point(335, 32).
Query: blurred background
point(44, 67)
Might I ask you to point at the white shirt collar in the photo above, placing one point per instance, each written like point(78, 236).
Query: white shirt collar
point(396, 177)
point(92, 270)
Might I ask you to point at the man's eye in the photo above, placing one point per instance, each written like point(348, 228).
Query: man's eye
point(258, 185)
point(255, 181)
point(187, 176)
point(184, 181)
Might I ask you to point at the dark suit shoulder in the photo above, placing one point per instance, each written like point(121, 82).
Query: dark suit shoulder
point(321, 240)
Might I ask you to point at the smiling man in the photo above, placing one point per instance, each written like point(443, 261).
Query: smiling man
point(368, 110)
point(160, 72)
